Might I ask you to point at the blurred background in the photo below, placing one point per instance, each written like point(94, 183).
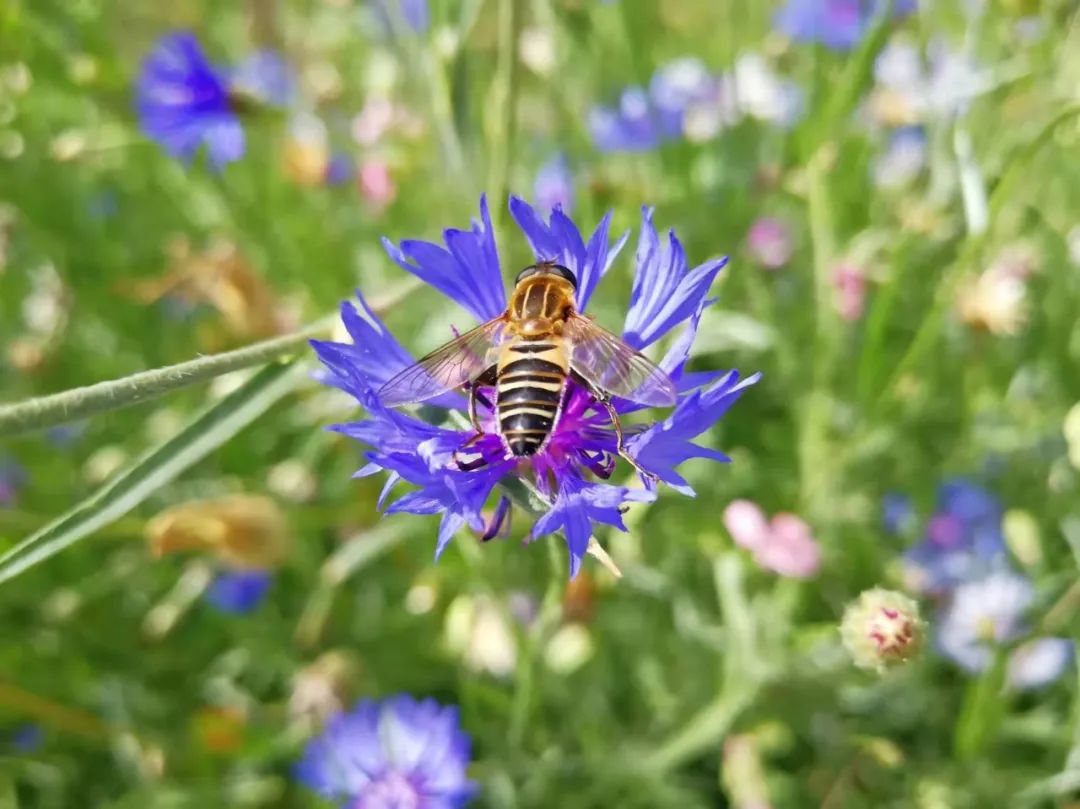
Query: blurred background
point(899, 191)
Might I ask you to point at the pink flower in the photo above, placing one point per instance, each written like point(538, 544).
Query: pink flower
point(769, 242)
point(376, 184)
point(783, 545)
point(849, 283)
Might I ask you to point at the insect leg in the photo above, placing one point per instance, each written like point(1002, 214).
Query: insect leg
point(614, 416)
point(486, 378)
point(620, 448)
point(476, 463)
point(475, 419)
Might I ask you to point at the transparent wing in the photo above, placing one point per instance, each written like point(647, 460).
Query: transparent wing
point(614, 367)
point(446, 368)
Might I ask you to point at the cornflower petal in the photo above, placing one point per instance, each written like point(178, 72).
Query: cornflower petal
point(373, 357)
point(665, 291)
point(674, 87)
point(265, 77)
point(466, 271)
point(836, 24)
point(416, 14)
point(674, 364)
point(561, 241)
point(400, 751)
point(667, 444)
point(628, 128)
point(554, 185)
point(674, 361)
point(239, 592)
point(225, 141)
point(1039, 662)
point(964, 539)
point(580, 504)
point(982, 614)
point(182, 101)
point(185, 103)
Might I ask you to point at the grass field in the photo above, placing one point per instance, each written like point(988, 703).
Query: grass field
point(198, 593)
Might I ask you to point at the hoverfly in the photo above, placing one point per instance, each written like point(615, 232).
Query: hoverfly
point(527, 354)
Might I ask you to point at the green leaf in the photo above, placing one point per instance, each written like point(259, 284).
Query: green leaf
point(982, 711)
point(207, 432)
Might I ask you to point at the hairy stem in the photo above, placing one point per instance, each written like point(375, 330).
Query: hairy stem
point(79, 403)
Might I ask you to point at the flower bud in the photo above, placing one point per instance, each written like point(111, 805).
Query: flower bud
point(477, 631)
point(570, 648)
point(881, 628)
point(1021, 531)
point(323, 687)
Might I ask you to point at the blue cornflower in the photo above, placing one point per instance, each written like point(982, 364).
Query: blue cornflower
point(27, 738)
point(399, 753)
point(415, 13)
point(896, 512)
point(629, 127)
point(905, 156)
point(554, 185)
point(643, 119)
point(837, 24)
point(184, 102)
point(985, 613)
point(12, 479)
point(240, 591)
point(581, 446)
point(963, 538)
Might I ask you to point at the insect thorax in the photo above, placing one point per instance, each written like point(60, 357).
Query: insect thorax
point(540, 300)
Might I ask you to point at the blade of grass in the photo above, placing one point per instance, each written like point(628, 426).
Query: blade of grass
point(207, 432)
point(857, 77)
point(982, 711)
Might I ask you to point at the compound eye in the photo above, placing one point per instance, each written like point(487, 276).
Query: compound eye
point(559, 269)
point(526, 273)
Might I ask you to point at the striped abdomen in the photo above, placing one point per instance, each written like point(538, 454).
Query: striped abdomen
point(529, 388)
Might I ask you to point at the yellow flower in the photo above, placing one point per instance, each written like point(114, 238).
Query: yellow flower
point(243, 531)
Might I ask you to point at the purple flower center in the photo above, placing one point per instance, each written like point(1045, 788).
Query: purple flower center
point(844, 13)
point(392, 791)
point(581, 438)
point(945, 530)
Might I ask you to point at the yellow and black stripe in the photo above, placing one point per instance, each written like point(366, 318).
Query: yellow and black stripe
point(531, 377)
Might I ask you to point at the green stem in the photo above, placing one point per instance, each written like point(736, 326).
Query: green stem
point(546, 623)
point(79, 403)
point(932, 323)
point(442, 112)
point(815, 457)
point(52, 714)
point(502, 128)
point(823, 241)
point(704, 729)
point(743, 674)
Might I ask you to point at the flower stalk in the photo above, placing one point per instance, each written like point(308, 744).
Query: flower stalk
point(78, 403)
